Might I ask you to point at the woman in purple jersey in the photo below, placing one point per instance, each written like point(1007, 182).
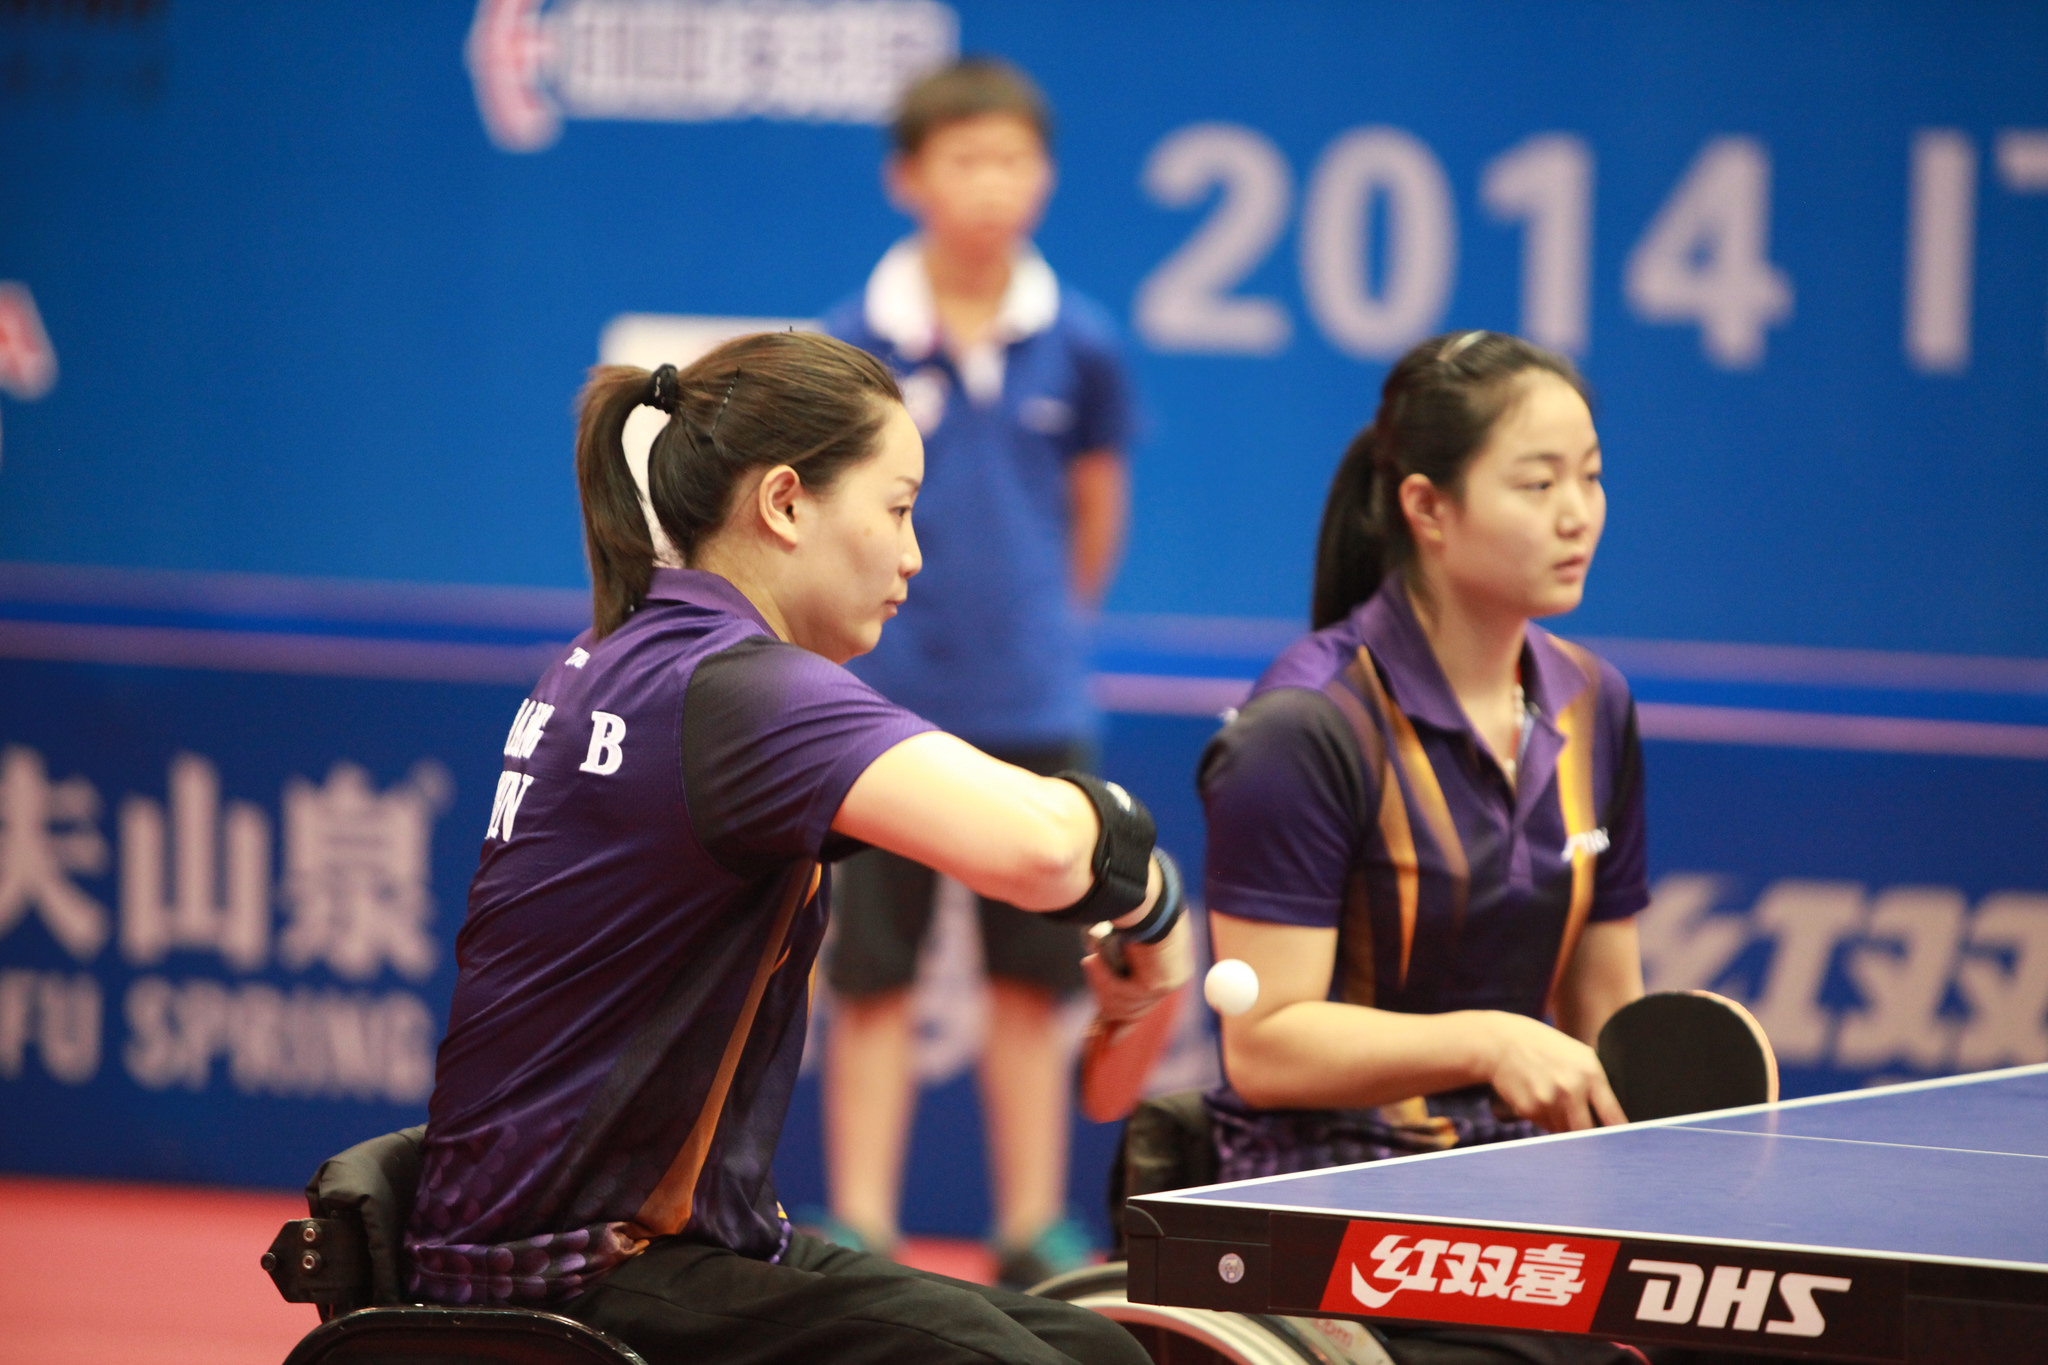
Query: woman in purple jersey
point(635, 962)
point(1425, 826)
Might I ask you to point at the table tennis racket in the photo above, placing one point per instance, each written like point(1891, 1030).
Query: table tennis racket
point(1117, 1058)
point(1686, 1052)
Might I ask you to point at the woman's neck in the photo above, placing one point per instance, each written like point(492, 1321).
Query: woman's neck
point(1480, 653)
point(738, 568)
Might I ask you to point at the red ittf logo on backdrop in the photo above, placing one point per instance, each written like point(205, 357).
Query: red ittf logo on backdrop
point(1477, 1275)
point(28, 364)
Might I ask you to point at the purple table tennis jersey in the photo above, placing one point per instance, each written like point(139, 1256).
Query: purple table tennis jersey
point(634, 968)
point(1352, 793)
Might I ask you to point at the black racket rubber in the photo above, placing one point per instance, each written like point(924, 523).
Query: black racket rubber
point(1686, 1052)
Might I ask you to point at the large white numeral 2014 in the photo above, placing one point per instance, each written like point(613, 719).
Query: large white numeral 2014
point(1705, 257)
point(1186, 304)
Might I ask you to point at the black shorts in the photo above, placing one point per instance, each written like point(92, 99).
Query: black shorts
point(882, 909)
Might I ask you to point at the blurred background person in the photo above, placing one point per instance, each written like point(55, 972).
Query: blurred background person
point(1018, 386)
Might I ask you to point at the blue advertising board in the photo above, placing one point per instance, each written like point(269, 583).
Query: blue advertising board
point(294, 300)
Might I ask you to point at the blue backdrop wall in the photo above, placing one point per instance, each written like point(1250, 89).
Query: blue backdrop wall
point(294, 298)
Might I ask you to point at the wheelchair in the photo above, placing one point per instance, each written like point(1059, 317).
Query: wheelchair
point(346, 1260)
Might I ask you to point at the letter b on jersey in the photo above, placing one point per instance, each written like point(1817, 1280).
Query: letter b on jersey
point(607, 744)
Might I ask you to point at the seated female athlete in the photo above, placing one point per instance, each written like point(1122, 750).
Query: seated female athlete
point(635, 963)
point(1426, 825)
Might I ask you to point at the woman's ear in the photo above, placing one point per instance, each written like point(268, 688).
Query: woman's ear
point(775, 503)
point(1423, 503)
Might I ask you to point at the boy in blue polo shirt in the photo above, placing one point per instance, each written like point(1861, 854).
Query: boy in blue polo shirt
point(1019, 389)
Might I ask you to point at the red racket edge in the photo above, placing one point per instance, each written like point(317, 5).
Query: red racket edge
point(1756, 1030)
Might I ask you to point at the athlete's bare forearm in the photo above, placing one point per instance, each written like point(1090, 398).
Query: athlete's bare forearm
point(1297, 1049)
point(1007, 833)
point(1606, 972)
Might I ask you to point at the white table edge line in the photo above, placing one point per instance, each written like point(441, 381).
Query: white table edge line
point(1857, 1142)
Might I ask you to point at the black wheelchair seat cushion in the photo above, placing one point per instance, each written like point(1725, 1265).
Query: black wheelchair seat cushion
point(459, 1336)
point(373, 1182)
point(1166, 1145)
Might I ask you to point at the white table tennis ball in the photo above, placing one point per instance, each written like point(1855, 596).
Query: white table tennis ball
point(1231, 987)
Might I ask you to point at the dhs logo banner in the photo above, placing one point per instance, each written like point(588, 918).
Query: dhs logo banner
point(696, 61)
point(1741, 1297)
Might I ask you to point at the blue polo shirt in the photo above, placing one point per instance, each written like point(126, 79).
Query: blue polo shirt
point(633, 978)
point(990, 645)
point(1351, 792)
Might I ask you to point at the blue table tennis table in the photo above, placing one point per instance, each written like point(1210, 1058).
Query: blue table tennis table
point(1906, 1223)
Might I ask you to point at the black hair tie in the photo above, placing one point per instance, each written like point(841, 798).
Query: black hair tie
point(661, 389)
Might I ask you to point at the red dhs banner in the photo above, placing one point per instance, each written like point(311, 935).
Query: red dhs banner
point(1483, 1276)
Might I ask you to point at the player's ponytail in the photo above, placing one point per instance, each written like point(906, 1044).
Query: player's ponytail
point(1351, 546)
point(615, 534)
point(799, 399)
point(1437, 407)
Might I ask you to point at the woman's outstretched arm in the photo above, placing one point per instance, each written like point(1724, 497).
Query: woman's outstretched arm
point(1007, 833)
point(1297, 1049)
